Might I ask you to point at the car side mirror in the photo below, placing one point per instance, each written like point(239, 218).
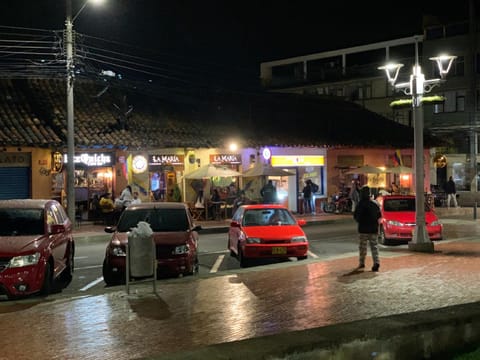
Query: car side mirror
point(235, 224)
point(56, 228)
point(109, 229)
point(197, 228)
point(301, 222)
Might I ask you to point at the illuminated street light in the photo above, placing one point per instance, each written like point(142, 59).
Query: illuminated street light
point(416, 87)
point(70, 110)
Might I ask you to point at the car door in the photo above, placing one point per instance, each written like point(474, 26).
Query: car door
point(60, 240)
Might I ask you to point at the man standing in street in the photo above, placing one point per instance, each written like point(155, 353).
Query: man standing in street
point(367, 215)
point(451, 192)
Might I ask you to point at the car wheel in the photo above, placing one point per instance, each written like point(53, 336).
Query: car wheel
point(47, 280)
point(301, 258)
point(381, 236)
point(244, 262)
point(108, 276)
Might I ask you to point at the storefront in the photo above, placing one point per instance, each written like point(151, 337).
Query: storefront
point(163, 173)
point(94, 177)
point(227, 187)
point(15, 169)
point(302, 163)
point(306, 167)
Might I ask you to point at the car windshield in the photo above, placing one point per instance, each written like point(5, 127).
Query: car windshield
point(17, 222)
point(401, 205)
point(263, 217)
point(159, 219)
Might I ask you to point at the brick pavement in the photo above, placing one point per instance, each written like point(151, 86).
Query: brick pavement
point(189, 313)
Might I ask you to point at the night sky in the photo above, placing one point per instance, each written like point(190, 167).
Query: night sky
point(235, 36)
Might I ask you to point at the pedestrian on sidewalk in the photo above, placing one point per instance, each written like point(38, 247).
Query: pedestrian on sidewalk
point(367, 215)
point(355, 194)
point(451, 192)
point(307, 198)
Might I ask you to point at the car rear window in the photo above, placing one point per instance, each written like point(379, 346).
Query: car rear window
point(159, 219)
point(17, 222)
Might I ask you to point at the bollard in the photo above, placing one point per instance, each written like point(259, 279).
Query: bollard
point(475, 211)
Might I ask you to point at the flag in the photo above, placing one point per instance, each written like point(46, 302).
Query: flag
point(397, 158)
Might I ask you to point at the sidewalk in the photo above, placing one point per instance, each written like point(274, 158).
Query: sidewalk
point(417, 301)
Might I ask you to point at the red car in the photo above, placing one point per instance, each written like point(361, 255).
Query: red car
point(266, 231)
point(398, 219)
point(174, 233)
point(36, 247)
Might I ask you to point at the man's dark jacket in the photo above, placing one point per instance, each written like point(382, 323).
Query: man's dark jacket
point(367, 214)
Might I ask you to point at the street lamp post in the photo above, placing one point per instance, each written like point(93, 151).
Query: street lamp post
point(70, 188)
point(416, 87)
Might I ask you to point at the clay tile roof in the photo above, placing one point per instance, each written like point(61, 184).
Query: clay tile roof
point(33, 113)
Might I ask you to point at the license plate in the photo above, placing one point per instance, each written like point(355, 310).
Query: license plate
point(277, 250)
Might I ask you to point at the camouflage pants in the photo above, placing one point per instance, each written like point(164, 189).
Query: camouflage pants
point(362, 247)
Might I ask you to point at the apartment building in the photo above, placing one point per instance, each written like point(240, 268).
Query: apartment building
point(353, 74)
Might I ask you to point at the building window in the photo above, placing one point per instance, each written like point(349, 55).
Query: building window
point(454, 102)
point(461, 101)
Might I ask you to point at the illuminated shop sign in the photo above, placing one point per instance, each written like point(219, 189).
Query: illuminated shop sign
point(14, 159)
point(225, 159)
point(139, 164)
point(167, 159)
point(298, 160)
point(267, 154)
point(92, 159)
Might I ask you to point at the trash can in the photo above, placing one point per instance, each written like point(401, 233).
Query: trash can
point(141, 259)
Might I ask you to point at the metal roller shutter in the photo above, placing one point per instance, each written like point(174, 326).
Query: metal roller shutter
point(14, 183)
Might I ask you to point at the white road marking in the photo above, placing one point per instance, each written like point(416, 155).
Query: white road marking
point(311, 254)
point(217, 264)
point(88, 267)
point(92, 284)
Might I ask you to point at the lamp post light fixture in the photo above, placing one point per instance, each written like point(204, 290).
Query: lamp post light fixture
point(416, 87)
point(70, 188)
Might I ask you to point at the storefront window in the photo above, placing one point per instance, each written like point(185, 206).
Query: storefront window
point(313, 173)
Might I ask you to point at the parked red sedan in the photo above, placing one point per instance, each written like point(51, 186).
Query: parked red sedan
point(266, 231)
point(399, 218)
point(174, 233)
point(36, 247)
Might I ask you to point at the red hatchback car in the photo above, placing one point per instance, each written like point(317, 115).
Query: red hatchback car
point(36, 247)
point(398, 219)
point(174, 233)
point(266, 231)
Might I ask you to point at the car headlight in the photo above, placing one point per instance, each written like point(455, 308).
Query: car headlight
point(435, 223)
point(182, 249)
point(25, 260)
point(394, 223)
point(118, 251)
point(299, 239)
point(252, 240)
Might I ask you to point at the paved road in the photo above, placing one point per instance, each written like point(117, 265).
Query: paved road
point(189, 313)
